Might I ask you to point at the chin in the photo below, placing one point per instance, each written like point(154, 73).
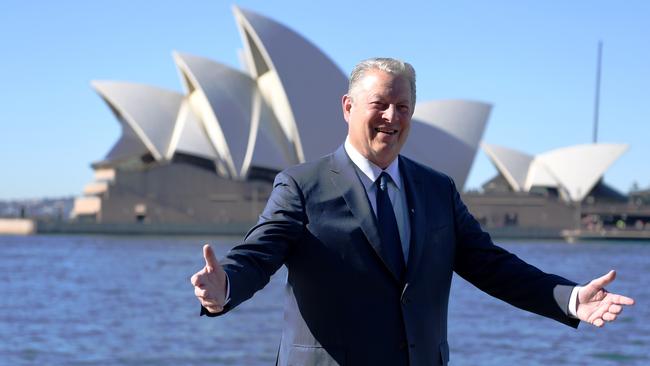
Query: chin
point(383, 160)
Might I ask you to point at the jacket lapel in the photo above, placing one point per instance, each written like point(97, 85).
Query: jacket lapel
point(416, 203)
point(346, 179)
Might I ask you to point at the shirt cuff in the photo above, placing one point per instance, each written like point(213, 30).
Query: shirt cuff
point(573, 302)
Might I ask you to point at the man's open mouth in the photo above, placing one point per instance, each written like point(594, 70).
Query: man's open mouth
point(388, 131)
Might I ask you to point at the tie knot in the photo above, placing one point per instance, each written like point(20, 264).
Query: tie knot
point(382, 181)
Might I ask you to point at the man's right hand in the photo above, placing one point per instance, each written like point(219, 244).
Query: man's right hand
point(210, 283)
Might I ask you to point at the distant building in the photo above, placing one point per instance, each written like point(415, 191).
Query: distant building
point(573, 173)
point(640, 197)
point(556, 192)
point(41, 208)
point(209, 155)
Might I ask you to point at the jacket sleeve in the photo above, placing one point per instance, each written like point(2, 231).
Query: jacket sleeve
point(267, 245)
point(502, 274)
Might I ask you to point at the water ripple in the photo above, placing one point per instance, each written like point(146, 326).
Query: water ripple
point(99, 300)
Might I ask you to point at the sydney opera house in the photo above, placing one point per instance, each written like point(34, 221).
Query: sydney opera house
point(208, 155)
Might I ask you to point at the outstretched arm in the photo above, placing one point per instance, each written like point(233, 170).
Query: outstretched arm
point(505, 276)
point(249, 266)
point(596, 305)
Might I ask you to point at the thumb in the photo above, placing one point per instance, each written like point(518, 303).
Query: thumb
point(211, 262)
point(604, 280)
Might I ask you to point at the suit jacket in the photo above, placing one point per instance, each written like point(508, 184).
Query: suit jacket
point(343, 305)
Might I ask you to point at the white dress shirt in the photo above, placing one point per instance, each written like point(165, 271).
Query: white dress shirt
point(396, 191)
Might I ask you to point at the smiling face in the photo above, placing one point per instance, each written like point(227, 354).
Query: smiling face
point(378, 113)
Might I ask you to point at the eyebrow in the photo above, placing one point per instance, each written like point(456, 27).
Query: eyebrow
point(375, 97)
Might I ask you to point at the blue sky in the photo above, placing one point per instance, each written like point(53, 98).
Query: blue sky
point(535, 61)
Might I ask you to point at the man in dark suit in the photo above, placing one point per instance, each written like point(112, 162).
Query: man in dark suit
point(370, 240)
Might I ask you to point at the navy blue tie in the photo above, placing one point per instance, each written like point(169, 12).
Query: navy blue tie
point(388, 232)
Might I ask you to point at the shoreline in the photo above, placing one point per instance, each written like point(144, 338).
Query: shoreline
point(17, 226)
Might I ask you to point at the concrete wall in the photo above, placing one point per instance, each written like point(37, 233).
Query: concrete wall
point(17, 226)
point(522, 211)
point(181, 193)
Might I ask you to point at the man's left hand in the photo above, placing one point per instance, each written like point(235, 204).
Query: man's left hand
point(597, 306)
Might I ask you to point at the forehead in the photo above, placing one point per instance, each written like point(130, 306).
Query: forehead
point(381, 83)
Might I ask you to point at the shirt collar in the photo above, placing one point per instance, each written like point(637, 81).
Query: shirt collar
point(369, 169)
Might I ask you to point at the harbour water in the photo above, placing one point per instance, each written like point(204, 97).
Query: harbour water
point(105, 300)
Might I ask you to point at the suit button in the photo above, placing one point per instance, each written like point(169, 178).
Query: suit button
point(402, 345)
point(412, 345)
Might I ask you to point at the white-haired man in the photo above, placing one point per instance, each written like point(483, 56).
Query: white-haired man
point(371, 238)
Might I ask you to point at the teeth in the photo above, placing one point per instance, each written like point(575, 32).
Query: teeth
point(389, 132)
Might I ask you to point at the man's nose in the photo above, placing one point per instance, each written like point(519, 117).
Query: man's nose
point(390, 113)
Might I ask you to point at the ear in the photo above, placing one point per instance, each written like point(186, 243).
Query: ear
point(346, 104)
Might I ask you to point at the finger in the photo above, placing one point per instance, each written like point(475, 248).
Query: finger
point(210, 302)
point(199, 279)
point(604, 280)
point(608, 317)
point(615, 309)
point(200, 293)
point(210, 260)
point(194, 280)
point(598, 322)
point(598, 313)
point(214, 309)
point(623, 300)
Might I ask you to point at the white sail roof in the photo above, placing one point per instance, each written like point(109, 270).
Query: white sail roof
point(300, 83)
point(270, 150)
point(578, 168)
point(229, 106)
point(149, 112)
point(573, 170)
point(512, 164)
point(127, 146)
point(445, 135)
point(189, 136)
point(222, 98)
